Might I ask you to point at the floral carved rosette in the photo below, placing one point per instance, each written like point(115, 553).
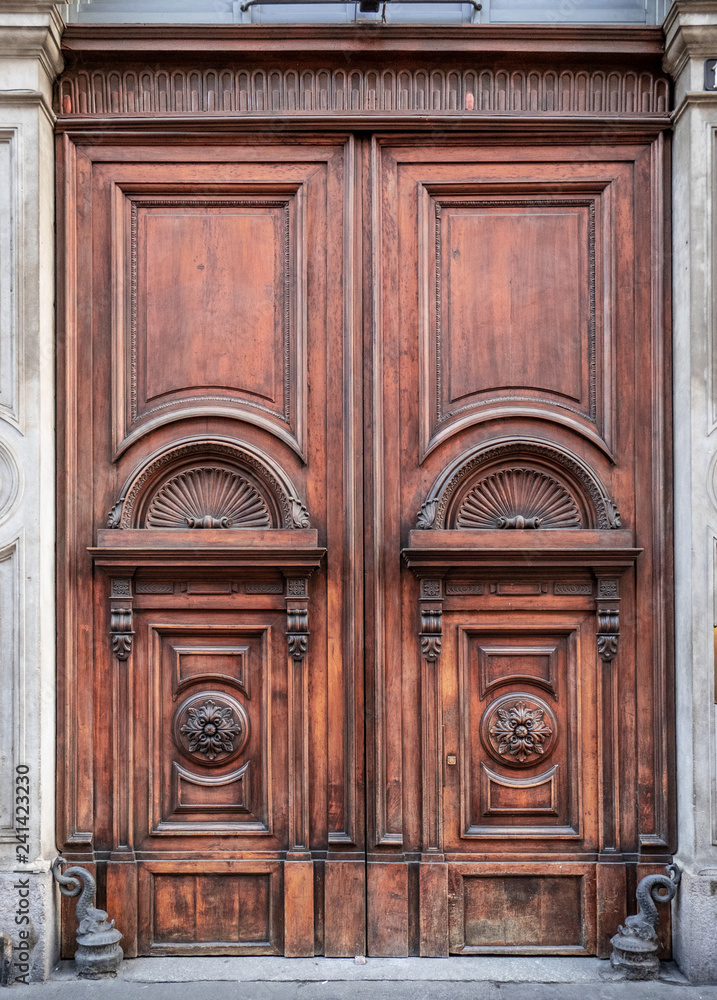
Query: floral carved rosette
point(211, 727)
point(519, 730)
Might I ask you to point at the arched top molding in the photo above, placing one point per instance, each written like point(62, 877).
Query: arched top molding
point(518, 483)
point(208, 483)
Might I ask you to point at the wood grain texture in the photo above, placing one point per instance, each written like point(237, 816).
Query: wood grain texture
point(453, 265)
point(435, 345)
point(246, 279)
point(299, 909)
point(199, 909)
point(433, 907)
point(269, 88)
point(225, 756)
point(387, 909)
point(345, 909)
point(519, 742)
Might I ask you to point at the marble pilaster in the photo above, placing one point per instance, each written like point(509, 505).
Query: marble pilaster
point(691, 33)
point(29, 61)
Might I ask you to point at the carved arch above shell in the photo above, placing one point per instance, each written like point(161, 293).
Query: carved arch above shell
point(208, 483)
point(518, 483)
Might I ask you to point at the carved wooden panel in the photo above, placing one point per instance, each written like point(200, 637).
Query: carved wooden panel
point(204, 909)
point(518, 431)
point(209, 732)
point(500, 912)
point(518, 482)
point(373, 321)
point(513, 286)
point(520, 694)
point(269, 88)
point(231, 309)
point(225, 693)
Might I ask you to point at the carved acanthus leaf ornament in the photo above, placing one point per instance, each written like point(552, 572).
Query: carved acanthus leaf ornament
point(211, 727)
point(519, 730)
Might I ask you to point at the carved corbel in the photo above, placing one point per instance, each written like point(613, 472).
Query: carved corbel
point(297, 632)
point(297, 637)
point(608, 618)
point(427, 515)
point(121, 631)
point(431, 633)
point(297, 617)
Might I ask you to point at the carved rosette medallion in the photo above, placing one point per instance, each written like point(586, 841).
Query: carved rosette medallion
point(211, 727)
point(519, 729)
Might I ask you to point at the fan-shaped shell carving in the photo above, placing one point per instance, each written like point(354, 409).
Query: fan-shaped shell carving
point(208, 483)
point(208, 498)
point(518, 498)
point(518, 483)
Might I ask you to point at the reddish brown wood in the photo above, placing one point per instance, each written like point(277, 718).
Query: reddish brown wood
point(218, 284)
point(433, 908)
point(298, 909)
point(387, 909)
point(345, 909)
point(381, 333)
point(501, 407)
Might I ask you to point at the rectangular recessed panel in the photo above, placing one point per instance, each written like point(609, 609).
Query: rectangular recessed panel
point(208, 314)
point(213, 300)
point(513, 589)
point(209, 658)
point(507, 796)
point(523, 911)
point(209, 587)
point(515, 291)
point(221, 908)
point(521, 766)
point(502, 661)
point(10, 272)
point(212, 770)
point(224, 794)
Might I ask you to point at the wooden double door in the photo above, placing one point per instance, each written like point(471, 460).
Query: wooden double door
point(364, 564)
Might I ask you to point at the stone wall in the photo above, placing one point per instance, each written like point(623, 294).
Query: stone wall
point(30, 58)
point(691, 30)
point(29, 42)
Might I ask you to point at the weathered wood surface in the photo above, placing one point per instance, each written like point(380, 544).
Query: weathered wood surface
point(364, 526)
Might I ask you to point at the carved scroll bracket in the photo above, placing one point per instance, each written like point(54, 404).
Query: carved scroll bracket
point(431, 606)
point(121, 631)
point(608, 617)
point(297, 637)
point(431, 634)
point(297, 616)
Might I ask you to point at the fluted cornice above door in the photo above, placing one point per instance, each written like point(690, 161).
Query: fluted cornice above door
point(472, 72)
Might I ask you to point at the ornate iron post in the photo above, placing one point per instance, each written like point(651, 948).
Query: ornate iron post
point(98, 953)
point(634, 947)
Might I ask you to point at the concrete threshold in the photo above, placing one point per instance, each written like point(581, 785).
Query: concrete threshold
point(458, 969)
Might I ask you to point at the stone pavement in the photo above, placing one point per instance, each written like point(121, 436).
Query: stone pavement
point(475, 978)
